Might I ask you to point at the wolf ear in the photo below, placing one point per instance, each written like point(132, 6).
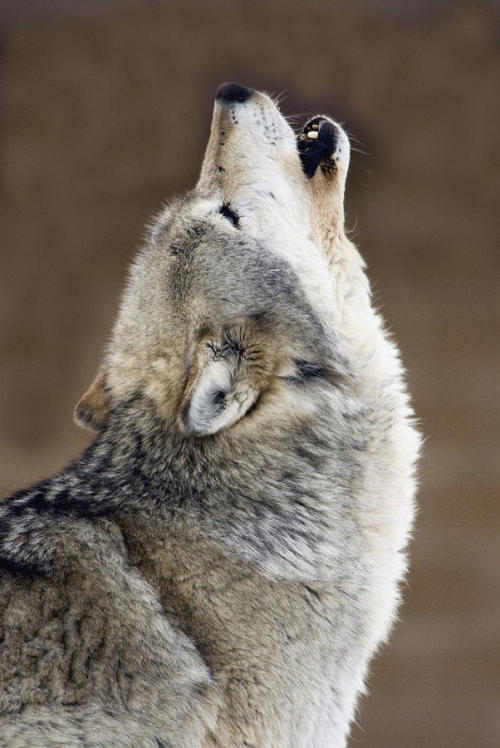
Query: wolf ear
point(91, 410)
point(220, 395)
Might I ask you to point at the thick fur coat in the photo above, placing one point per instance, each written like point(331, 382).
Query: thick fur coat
point(221, 563)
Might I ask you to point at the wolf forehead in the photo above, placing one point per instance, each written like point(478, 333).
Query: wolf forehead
point(206, 270)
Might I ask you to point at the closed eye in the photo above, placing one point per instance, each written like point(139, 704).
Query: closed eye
point(231, 215)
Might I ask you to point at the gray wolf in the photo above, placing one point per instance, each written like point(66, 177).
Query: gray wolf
point(220, 564)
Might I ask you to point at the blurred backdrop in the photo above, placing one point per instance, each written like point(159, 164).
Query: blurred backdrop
point(105, 110)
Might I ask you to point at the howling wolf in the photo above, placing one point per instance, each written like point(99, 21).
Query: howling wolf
point(220, 564)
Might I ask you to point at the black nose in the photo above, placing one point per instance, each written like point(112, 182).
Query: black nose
point(233, 92)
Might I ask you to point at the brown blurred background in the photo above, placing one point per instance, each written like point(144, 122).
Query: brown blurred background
point(105, 108)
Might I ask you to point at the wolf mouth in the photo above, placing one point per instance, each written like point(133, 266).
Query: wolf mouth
point(317, 145)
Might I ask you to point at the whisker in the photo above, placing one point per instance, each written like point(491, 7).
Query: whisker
point(366, 171)
point(277, 97)
point(354, 228)
point(360, 150)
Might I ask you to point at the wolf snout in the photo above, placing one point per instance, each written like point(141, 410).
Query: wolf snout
point(233, 93)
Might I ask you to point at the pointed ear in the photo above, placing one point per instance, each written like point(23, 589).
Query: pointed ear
point(91, 410)
point(220, 395)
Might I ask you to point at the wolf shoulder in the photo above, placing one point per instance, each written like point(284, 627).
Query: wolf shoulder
point(86, 649)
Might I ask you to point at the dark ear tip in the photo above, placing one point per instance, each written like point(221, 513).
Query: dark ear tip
point(86, 417)
point(92, 408)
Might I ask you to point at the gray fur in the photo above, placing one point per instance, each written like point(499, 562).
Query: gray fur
point(169, 590)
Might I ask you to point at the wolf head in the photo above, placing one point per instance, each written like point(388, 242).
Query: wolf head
point(229, 316)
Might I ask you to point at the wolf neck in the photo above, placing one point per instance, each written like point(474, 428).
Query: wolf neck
point(230, 487)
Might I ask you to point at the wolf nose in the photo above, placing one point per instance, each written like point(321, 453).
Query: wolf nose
point(233, 93)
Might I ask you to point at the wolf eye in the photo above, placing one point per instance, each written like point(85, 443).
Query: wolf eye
point(226, 211)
